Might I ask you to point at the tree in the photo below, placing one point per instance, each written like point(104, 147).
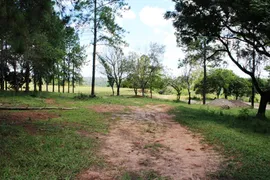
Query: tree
point(220, 80)
point(200, 51)
point(115, 65)
point(189, 63)
point(178, 84)
point(156, 53)
point(227, 22)
point(101, 13)
point(132, 80)
point(240, 87)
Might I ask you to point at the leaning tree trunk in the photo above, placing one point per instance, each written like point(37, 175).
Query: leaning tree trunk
point(178, 96)
point(265, 98)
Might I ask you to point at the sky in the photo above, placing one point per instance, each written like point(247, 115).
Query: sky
point(144, 24)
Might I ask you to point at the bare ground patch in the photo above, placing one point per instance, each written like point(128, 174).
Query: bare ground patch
point(147, 139)
point(50, 101)
point(25, 119)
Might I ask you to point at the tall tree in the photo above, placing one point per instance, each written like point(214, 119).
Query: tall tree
point(101, 18)
point(200, 51)
point(115, 65)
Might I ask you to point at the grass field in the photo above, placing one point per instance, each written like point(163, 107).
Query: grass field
point(53, 147)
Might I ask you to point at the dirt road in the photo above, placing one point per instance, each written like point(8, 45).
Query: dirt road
point(148, 139)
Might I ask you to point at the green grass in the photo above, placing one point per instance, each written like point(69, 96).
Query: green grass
point(243, 139)
point(58, 151)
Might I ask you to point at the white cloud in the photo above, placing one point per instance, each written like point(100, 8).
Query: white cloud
point(153, 16)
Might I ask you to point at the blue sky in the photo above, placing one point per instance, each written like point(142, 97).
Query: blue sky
point(144, 23)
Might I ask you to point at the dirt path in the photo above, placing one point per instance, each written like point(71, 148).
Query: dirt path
point(148, 139)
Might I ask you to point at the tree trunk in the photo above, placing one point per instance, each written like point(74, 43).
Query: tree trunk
point(53, 83)
point(39, 84)
point(135, 91)
point(252, 95)
point(118, 90)
point(94, 50)
point(53, 80)
point(47, 87)
point(15, 77)
point(6, 85)
point(189, 97)
point(73, 78)
point(143, 91)
point(178, 96)
point(2, 66)
point(204, 74)
point(68, 75)
point(112, 90)
point(253, 72)
point(63, 87)
point(68, 85)
point(6, 65)
point(27, 77)
point(262, 108)
point(58, 78)
point(35, 82)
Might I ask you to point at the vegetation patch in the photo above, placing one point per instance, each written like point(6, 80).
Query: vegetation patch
point(243, 139)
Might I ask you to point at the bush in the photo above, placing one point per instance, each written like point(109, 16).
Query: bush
point(244, 114)
point(81, 96)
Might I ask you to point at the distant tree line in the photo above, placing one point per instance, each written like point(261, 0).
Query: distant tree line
point(38, 46)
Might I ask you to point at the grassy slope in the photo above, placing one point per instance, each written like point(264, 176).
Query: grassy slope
point(244, 140)
point(59, 152)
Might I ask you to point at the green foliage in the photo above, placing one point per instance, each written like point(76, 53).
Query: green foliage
point(178, 84)
point(225, 81)
point(232, 24)
point(244, 114)
point(145, 70)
